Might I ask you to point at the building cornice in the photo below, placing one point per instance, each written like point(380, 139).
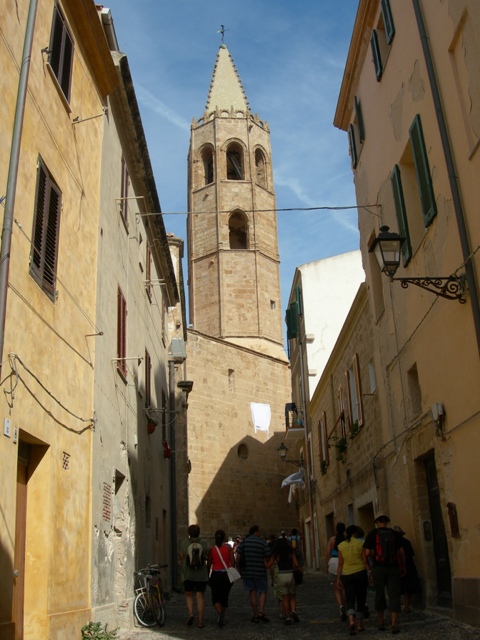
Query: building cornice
point(93, 43)
point(362, 28)
point(130, 124)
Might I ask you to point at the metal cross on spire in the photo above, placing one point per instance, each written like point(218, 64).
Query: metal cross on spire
point(222, 31)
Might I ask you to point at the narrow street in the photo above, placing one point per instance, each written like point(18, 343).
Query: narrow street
point(318, 619)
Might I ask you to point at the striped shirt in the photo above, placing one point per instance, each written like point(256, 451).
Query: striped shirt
point(254, 551)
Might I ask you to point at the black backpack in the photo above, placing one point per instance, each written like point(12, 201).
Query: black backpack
point(385, 547)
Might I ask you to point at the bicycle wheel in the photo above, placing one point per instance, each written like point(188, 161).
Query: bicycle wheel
point(142, 610)
point(157, 607)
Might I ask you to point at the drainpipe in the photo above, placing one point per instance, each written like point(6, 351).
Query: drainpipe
point(447, 150)
point(173, 474)
point(13, 171)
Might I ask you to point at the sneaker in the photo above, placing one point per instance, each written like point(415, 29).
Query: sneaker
point(295, 616)
point(263, 618)
point(343, 615)
point(288, 621)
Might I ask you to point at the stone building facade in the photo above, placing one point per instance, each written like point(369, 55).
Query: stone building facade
point(235, 344)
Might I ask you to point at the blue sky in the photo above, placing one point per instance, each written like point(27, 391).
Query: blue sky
point(290, 57)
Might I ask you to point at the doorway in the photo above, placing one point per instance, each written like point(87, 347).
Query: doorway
point(20, 534)
point(440, 545)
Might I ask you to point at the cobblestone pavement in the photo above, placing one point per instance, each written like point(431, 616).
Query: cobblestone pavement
point(318, 619)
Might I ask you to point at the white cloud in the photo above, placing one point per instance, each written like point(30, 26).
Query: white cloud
point(156, 105)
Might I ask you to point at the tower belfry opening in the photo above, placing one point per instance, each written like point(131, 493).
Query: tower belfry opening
point(230, 172)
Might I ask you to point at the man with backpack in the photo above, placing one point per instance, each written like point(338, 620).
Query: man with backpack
point(193, 553)
point(383, 549)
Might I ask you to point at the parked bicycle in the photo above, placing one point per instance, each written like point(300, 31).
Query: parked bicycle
point(149, 603)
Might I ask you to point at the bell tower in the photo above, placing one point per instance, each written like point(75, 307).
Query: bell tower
point(233, 260)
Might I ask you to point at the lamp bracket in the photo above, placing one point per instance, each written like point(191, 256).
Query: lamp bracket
point(450, 287)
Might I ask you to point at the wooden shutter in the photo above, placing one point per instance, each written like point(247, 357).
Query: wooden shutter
point(388, 20)
point(401, 211)
point(48, 202)
point(148, 271)
point(422, 171)
point(377, 58)
point(124, 193)
point(358, 389)
point(324, 438)
point(121, 332)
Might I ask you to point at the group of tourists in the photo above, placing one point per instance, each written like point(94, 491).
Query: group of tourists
point(382, 561)
point(252, 558)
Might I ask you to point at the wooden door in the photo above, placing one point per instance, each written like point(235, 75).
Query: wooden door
point(19, 560)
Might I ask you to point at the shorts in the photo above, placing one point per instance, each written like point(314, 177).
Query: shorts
point(260, 585)
point(190, 585)
point(285, 584)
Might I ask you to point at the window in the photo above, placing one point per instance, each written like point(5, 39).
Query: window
point(377, 281)
point(422, 171)
point(261, 168)
point(121, 333)
point(234, 162)
point(207, 159)
point(324, 439)
point(46, 227)
point(61, 52)
point(148, 374)
point(355, 394)
point(382, 38)
point(238, 230)
point(124, 193)
point(415, 392)
point(356, 134)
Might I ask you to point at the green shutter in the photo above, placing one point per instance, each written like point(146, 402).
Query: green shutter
point(377, 58)
point(299, 299)
point(353, 146)
point(400, 209)
point(388, 20)
point(422, 170)
point(361, 127)
point(291, 319)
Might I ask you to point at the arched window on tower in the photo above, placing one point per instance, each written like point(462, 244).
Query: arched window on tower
point(261, 168)
point(207, 159)
point(234, 162)
point(238, 230)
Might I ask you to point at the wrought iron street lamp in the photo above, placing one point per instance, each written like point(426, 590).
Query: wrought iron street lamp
point(282, 451)
point(387, 249)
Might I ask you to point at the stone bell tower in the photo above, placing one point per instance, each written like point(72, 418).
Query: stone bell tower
point(233, 260)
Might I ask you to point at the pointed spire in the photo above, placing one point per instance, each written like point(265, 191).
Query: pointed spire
point(226, 90)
